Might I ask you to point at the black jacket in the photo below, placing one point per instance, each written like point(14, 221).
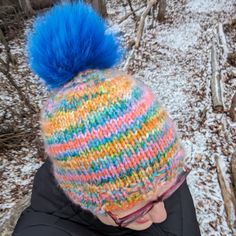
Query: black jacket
point(52, 213)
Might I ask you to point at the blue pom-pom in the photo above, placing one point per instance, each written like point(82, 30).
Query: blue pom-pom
point(68, 39)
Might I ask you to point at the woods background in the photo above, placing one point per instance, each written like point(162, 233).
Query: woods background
point(22, 95)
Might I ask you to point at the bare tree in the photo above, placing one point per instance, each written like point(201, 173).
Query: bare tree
point(162, 10)
point(150, 4)
point(99, 6)
point(26, 7)
point(41, 4)
point(233, 170)
point(5, 67)
point(232, 111)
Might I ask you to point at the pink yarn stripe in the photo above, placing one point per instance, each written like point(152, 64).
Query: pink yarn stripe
point(152, 149)
point(106, 130)
point(177, 157)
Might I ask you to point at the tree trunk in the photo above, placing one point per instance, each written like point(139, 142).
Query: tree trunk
point(41, 4)
point(233, 170)
point(99, 6)
point(232, 111)
point(162, 10)
point(150, 4)
point(26, 7)
point(8, 2)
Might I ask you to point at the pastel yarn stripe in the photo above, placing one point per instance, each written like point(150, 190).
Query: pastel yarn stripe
point(110, 140)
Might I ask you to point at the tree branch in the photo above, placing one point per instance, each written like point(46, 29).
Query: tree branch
point(142, 22)
point(131, 8)
point(128, 15)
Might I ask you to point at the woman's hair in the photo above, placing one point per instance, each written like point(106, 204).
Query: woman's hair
point(108, 137)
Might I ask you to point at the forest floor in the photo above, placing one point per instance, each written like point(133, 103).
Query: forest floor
point(174, 59)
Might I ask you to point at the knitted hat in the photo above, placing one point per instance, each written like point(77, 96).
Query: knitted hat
point(110, 140)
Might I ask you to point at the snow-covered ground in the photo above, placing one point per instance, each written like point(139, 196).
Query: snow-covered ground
point(174, 60)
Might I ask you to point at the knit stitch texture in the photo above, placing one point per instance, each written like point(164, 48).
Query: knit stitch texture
point(110, 140)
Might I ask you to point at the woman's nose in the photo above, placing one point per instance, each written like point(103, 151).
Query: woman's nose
point(158, 213)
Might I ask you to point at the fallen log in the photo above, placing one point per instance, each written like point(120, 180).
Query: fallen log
point(231, 59)
point(203, 116)
point(9, 224)
point(223, 42)
point(231, 74)
point(215, 81)
point(228, 197)
point(130, 57)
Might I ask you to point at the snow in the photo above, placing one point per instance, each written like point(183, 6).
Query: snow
point(206, 6)
point(180, 38)
point(178, 70)
point(174, 60)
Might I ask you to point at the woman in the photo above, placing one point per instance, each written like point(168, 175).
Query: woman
point(115, 164)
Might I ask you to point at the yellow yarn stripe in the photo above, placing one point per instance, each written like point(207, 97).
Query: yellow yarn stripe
point(85, 159)
point(134, 178)
point(116, 88)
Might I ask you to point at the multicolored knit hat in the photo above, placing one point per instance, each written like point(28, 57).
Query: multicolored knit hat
point(110, 140)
